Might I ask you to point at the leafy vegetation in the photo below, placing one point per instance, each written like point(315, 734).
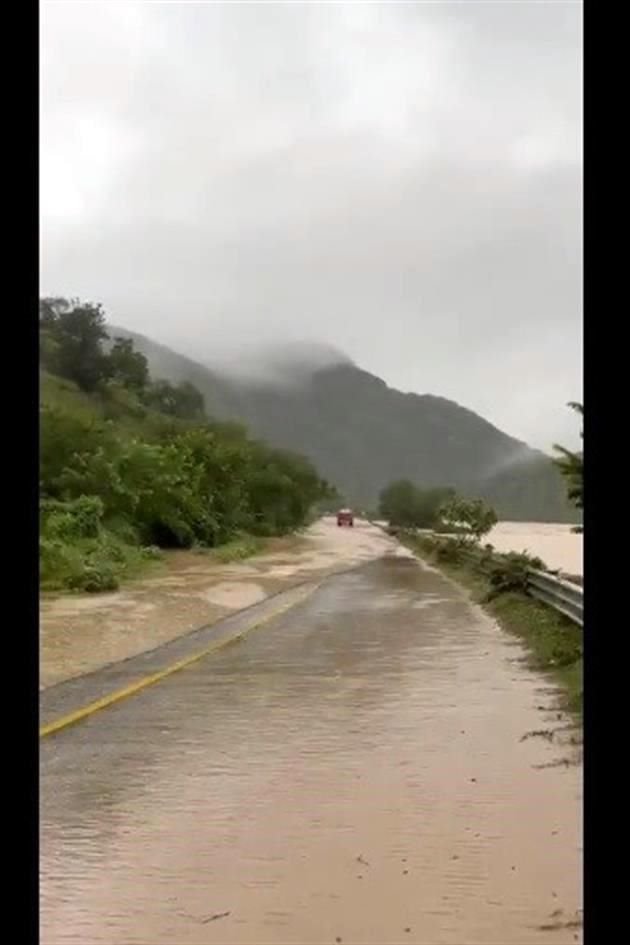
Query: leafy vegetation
point(571, 465)
point(470, 518)
point(407, 506)
point(129, 465)
point(363, 435)
point(78, 553)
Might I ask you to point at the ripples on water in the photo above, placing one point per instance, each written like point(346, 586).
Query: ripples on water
point(352, 771)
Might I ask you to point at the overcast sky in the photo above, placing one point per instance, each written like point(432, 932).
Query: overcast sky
point(402, 181)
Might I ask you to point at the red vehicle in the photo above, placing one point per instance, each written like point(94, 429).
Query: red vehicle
point(345, 517)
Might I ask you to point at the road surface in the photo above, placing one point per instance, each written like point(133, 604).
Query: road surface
point(81, 633)
point(361, 769)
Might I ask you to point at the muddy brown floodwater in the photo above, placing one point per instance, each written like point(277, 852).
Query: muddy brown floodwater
point(362, 769)
point(81, 633)
point(556, 545)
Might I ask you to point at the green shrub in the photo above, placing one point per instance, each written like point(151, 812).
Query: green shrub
point(122, 529)
point(509, 572)
point(449, 551)
point(57, 563)
point(472, 517)
point(67, 521)
point(95, 577)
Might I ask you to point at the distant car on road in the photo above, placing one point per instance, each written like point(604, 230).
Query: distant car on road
point(345, 517)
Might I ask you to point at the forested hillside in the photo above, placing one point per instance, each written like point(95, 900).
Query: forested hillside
point(130, 463)
point(362, 435)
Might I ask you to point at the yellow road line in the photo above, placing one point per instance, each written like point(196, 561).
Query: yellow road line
point(145, 681)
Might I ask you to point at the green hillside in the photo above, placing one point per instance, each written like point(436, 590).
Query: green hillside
point(363, 435)
point(130, 464)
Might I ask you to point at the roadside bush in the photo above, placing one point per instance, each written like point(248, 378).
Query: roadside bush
point(507, 573)
point(57, 562)
point(78, 553)
point(122, 529)
point(67, 521)
point(448, 552)
point(472, 517)
point(96, 576)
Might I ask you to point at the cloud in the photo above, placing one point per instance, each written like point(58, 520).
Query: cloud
point(400, 182)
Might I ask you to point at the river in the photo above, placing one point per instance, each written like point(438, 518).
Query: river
point(556, 545)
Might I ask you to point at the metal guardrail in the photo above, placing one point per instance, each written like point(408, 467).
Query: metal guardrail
point(567, 597)
point(563, 596)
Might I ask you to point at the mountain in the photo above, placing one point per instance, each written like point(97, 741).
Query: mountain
point(363, 434)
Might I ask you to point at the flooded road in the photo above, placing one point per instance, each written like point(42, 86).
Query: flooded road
point(356, 771)
point(81, 633)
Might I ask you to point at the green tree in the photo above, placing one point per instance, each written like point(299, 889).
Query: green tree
point(127, 366)
point(471, 517)
point(283, 487)
point(50, 309)
point(397, 503)
point(64, 438)
point(74, 334)
point(115, 475)
point(176, 400)
point(405, 505)
point(571, 465)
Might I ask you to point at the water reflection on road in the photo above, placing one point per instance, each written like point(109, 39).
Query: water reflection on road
point(353, 771)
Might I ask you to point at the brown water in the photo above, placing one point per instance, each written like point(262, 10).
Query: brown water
point(355, 771)
point(81, 633)
point(556, 545)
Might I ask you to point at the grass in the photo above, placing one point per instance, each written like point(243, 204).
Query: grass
point(554, 643)
point(61, 394)
point(110, 403)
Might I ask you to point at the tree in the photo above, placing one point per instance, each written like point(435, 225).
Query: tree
point(571, 465)
point(63, 437)
point(74, 334)
point(472, 517)
point(407, 506)
point(397, 503)
point(128, 366)
point(182, 400)
point(50, 309)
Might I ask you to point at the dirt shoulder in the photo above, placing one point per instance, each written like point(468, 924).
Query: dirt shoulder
point(83, 633)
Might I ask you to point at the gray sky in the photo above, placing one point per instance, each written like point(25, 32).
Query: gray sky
point(402, 181)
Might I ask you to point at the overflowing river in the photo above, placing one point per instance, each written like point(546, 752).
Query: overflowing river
point(556, 545)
